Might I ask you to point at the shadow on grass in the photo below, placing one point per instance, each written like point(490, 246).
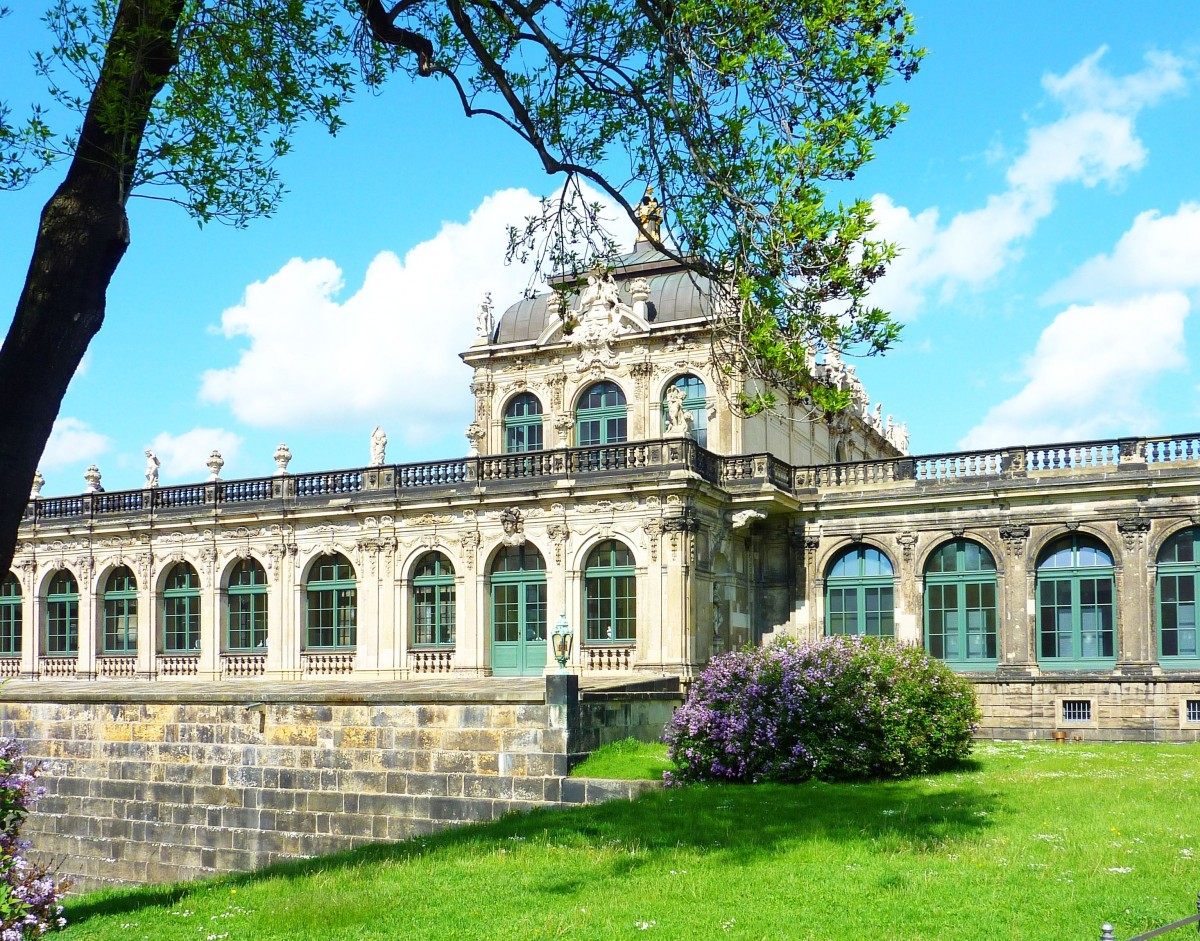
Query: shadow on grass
point(738, 823)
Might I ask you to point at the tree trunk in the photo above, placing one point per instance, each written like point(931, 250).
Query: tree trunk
point(82, 237)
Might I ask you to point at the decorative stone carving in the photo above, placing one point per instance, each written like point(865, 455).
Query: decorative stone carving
point(639, 288)
point(557, 383)
point(283, 456)
point(469, 542)
point(378, 447)
point(514, 527)
point(1133, 530)
point(474, 435)
point(1014, 536)
point(641, 373)
point(559, 534)
point(214, 464)
point(908, 542)
point(563, 424)
point(654, 530)
point(92, 477)
point(743, 518)
point(35, 489)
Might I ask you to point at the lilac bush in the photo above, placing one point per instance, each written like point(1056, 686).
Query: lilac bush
point(838, 709)
point(29, 896)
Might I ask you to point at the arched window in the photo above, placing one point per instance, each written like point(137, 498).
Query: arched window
point(120, 612)
point(610, 598)
point(601, 416)
point(694, 395)
point(181, 610)
point(518, 586)
point(246, 607)
point(332, 605)
point(859, 594)
point(62, 616)
point(10, 616)
point(523, 424)
point(433, 601)
point(960, 605)
point(1075, 603)
point(1178, 573)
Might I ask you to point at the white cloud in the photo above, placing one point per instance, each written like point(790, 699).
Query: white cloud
point(72, 441)
point(1093, 142)
point(386, 353)
point(183, 456)
point(1087, 376)
point(1157, 253)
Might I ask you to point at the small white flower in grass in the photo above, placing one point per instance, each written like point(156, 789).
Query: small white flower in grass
point(679, 872)
point(644, 925)
point(1120, 869)
point(1185, 853)
point(888, 813)
point(727, 924)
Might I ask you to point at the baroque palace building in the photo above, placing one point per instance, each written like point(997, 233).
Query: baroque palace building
point(609, 487)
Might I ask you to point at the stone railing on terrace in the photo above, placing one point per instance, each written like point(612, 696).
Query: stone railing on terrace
point(402, 479)
point(1050, 459)
point(636, 458)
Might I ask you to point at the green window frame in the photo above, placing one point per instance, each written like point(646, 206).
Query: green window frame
point(601, 417)
point(62, 616)
point(433, 601)
point(960, 605)
point(860, 594)
point(523, 424)
point(610, 595)
point(1177, 579)
point(331, 618)
point(518, 591)
point(1076, 612)
point(246, 608)
point(181, 610)
point(695, 403)
point(120, 612)
point(10, 616)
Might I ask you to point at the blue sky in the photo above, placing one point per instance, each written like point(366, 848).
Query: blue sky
point(1045, 191)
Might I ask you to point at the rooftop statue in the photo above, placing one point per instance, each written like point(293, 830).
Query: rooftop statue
point(649, 215)
point(152, 466)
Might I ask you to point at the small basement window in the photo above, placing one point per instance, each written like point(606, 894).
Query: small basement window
point(1191, 711)
point(1077, 710)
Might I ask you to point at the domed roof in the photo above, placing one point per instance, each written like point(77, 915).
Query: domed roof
point(675, 295)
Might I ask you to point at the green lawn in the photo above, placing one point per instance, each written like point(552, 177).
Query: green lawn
point(1033, 842)
point(626, 760)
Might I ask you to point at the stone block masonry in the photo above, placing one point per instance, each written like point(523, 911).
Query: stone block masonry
point(178, 782)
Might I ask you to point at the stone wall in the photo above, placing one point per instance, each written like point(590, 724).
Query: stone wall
point(1149, 709)
point(171, 784)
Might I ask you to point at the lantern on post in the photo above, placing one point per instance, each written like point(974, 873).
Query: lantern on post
point(561, 639)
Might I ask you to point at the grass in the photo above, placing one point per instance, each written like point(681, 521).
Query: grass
point(627, 759)
point(1033, 841)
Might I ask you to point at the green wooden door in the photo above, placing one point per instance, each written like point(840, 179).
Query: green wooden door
point(519, 613)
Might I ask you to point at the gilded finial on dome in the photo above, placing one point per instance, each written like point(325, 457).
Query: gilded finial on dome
point(649, 215)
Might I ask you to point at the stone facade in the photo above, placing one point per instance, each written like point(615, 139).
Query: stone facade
point(612, 491)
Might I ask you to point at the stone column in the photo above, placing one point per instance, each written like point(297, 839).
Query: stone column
point(910, 599)
point(370, 648)
point(211, 615)
point(148, 614)
point(1133, 587)
point(677, 645)
point(1017, 614)
point(89, 617)
point(31, 618)
point(471, 598)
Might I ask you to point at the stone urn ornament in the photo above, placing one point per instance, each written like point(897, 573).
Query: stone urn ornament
point(283, 455)
point(215, 463)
